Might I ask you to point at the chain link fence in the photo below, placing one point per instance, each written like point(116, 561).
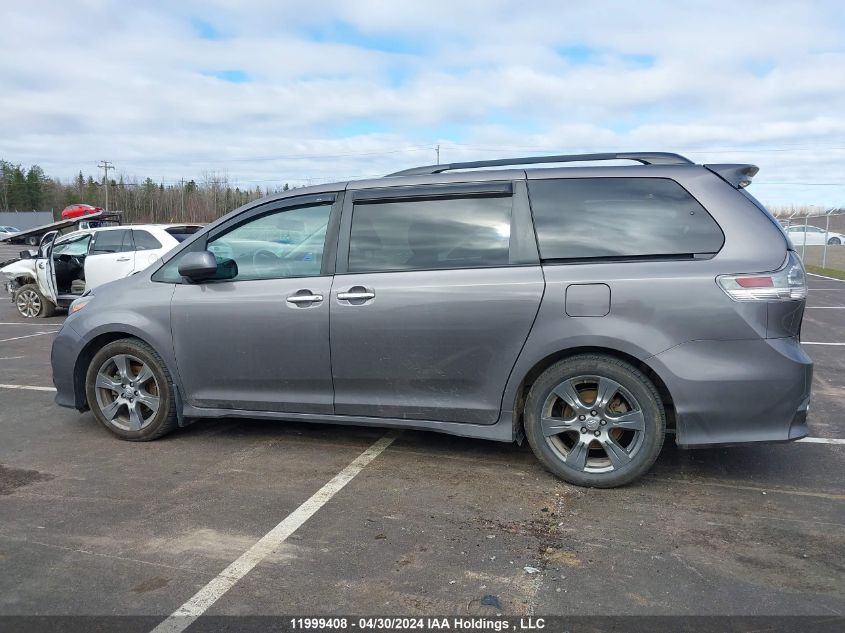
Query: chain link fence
point(820, 240)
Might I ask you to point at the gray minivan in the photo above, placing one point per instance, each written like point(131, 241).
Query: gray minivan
point(590, 309)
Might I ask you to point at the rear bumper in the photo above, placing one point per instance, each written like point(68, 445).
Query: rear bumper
point(735, 392)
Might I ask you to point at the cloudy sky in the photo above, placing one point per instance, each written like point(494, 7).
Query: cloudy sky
point(274, 91)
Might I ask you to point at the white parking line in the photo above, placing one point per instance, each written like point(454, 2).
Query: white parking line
point(817, 343)
point(27, 387)
point(17, 338)
point(34, 324)
point(185, 615)
point(825, 308)
point(825, 277)
point(821, 440)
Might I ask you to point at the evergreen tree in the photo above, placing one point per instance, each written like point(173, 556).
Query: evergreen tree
point(18, 194)
point(35, 179)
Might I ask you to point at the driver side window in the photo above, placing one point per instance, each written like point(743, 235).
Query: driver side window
point(76, 248)
point(281, 244)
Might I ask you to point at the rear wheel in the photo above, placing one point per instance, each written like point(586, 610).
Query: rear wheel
point(129, 391)
point(595, 420)
point(31, 303)
point(834, 241)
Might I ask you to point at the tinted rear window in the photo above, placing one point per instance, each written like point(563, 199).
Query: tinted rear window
point(583, 218)
point(144, 241)
point(112, 242)
point(181, 233)
point(430, 234)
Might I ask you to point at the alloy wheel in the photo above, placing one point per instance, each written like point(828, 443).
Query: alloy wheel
point(593, 423)
point(127, 392)
point(28, 303)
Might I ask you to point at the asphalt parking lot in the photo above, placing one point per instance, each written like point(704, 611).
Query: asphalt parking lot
point(433, 524)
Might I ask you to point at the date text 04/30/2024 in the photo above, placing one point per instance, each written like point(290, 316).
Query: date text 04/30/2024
point(418, 624)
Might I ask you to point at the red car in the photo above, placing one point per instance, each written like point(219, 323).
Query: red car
point(78, 210)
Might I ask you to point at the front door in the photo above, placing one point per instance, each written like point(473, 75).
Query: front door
point(260, 341)
point(44, 269)
point(111, 256)
point(435, 293)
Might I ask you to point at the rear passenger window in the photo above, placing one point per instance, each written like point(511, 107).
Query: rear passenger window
point(144, 241)
point(116, 241)
point(583, 218)
point(393, 235)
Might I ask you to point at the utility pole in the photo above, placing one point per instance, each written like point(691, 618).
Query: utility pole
point(437, 149)
point(182, 190)
point(105, 166)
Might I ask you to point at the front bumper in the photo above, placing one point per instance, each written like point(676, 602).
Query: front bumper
point(67, 347)
point(11, 287)
point(735, 392)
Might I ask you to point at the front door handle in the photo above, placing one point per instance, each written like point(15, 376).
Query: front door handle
point(123, 259)
point(304, 298)
point(352, 296)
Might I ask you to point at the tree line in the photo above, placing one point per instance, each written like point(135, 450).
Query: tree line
point(146, 201)
point(200, 200)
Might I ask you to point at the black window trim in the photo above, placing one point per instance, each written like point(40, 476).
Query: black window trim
point(131, 235)
point(608, 259)
point(432, 192)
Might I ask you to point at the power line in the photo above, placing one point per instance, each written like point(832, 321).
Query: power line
point(416, 148)
point(543, 148)
point(804, 184)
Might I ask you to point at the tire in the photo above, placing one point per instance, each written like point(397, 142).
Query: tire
point(33, 241)
point(31, 304)
point(595, 421)
point(133, 409)
point(834, 241)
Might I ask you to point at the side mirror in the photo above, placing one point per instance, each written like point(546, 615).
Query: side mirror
point(27, 254)
point(202, 266)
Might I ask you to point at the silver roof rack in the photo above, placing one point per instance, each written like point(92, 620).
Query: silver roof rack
point(646, 158)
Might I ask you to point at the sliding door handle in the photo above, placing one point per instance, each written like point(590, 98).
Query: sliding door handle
point(352, 296)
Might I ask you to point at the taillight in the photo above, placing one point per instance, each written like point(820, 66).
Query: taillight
point(788, 283)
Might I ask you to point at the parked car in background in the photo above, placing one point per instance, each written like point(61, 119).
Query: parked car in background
point(66, 266)
point(810, 235)
point(587, 309)
point(6, 231)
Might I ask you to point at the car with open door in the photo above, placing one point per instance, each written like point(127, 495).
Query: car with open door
point(65, 266)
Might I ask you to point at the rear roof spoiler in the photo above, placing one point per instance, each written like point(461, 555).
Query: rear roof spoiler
point(738, 176)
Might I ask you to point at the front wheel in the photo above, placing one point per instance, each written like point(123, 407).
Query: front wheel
point(595, 420)
point(129, 391)
point(31, 303)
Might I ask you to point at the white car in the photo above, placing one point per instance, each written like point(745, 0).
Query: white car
point(67, 265)
point(8, 230)
point(810, 235)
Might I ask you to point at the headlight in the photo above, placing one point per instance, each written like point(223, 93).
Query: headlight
point(78, 304)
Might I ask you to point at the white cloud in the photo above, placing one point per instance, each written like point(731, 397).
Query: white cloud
point(343, 89)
